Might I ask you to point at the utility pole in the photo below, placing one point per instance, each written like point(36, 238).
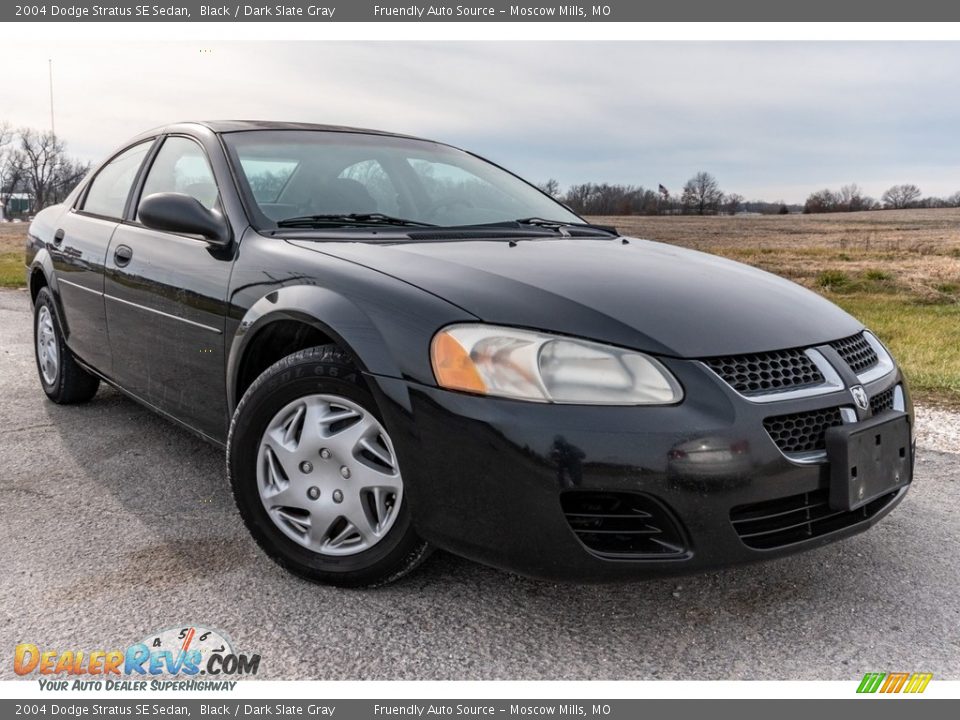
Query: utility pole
point(53, 127)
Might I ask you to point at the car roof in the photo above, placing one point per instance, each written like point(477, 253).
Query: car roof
point(228, 126)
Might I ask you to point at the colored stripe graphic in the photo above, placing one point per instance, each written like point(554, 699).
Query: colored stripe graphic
point(870, 682)
point(918, 682)
point(894, 682)
point(888, 683)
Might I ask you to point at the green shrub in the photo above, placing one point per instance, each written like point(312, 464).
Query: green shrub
point(836, 280)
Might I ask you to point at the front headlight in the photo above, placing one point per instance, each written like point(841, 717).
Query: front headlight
point(527, 365)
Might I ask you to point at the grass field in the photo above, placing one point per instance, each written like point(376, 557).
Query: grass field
point(12, 239)
point(897, 271)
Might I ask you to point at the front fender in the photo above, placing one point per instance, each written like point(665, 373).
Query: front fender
point(351, 326)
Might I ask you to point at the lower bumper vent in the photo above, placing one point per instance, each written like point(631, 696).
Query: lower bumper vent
point(802, 432)
point(882, 401)
point(784, 521)
point(622, 524)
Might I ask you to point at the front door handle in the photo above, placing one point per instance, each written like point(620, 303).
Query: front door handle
point(122, 255)
point(58, 237)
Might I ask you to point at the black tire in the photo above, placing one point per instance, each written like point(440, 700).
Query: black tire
point(71, 384)
point(326, 370)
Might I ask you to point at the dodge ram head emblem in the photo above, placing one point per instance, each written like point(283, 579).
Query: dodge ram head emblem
point(860, 397)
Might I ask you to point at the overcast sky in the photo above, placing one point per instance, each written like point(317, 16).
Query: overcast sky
point(769, 120)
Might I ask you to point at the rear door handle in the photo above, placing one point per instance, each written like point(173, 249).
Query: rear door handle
point(58, 237)
point(122, 255)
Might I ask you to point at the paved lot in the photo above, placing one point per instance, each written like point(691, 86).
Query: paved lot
point(114, 523)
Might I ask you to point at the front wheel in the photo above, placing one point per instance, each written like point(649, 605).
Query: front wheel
point(315, 474)
point(61, 376)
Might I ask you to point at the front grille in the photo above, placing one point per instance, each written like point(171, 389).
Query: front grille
point(784, 521)
point(803, 431)
point(769, 372)
point(856, 352)
point(621, 523)
point(882, 401)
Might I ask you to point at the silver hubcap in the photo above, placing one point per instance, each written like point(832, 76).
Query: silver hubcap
point(48, 354)
point(327, 475)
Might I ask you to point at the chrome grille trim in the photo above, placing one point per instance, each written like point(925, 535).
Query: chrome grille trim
point(832, 382)
point(884, 365)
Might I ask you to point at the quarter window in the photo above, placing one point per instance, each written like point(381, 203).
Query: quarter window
point(109, 190)
point(181, 167)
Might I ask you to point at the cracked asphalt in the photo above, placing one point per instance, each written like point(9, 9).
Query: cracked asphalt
point(115, 523)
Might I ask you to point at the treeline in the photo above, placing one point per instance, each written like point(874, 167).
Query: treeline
point(850, 198)
point(700, 195)
point(35, 165)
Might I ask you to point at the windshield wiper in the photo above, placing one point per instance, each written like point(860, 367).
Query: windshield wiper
point(560, 225)
point(541, 222)
point(349, 219)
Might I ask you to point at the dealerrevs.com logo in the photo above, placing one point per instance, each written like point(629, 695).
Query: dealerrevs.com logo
point(171, 659)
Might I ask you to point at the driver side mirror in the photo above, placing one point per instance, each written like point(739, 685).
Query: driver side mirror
point(179, 213)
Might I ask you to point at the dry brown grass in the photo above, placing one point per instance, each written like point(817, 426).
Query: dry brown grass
point(915, 252)
point(12, 237)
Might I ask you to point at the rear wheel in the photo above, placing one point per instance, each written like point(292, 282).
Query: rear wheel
point(315, 474)
point(61, 376)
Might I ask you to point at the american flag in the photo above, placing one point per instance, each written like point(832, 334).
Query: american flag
point(664, 191)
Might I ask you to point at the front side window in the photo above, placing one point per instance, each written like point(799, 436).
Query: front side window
point(181, 167)
point(109, 190)
point(302, 173)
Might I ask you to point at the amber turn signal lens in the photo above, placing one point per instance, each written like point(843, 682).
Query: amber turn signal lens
point(453, 367)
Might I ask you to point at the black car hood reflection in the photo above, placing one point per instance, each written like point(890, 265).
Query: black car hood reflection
point(646, 295)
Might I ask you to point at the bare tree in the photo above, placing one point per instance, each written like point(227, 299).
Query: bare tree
point(821, 201)
point(69, 173)
point(551, 187)
point(702, 193)
point(732, 203)
point(43, 155)
point(953, 200)
point(10, 165)
point(607, 199)
point(852, 199)
point(901, 196)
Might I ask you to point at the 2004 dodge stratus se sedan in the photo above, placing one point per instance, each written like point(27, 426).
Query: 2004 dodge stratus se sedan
point(403, 346)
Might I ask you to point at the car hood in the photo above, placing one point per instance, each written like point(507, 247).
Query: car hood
point(640, 294)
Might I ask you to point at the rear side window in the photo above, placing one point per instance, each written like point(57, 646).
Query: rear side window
point(109, 190)
point(181, 167)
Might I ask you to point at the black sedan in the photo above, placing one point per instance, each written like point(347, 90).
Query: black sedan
point(403, 346)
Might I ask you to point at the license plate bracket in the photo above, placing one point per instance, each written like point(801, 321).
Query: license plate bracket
point(868, 459)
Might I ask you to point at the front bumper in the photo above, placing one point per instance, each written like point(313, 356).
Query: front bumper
point(490, 479)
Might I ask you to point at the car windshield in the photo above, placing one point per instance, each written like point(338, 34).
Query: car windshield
point(310, 178)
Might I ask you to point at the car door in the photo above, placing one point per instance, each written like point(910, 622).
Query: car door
point(165, 296)
point(79, 252)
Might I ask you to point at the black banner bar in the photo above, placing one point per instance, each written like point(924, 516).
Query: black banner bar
point(406, 709)
point(490, 11)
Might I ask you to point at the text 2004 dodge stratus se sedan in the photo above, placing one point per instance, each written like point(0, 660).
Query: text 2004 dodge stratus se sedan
point(403, 346)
